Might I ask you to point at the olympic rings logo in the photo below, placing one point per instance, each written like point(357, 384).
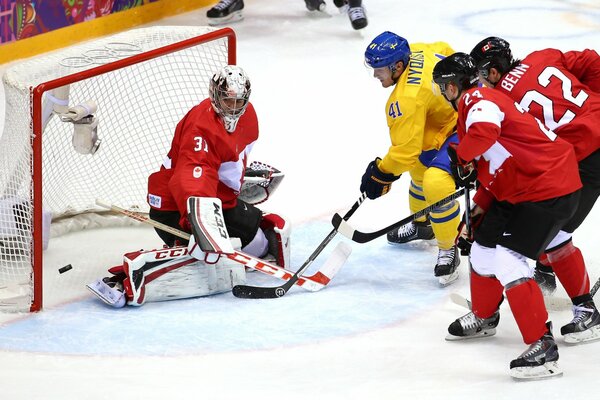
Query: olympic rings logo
point(111, 52)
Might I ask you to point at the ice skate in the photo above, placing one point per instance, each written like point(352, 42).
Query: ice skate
point(585, 326)
point(358, 17)
point(225, 11)
point(539, 361)
point(545, 278)
point(342, 5)
point(411, 231)
point(315, 5)
point(109, 291)
point(446, 268)
point(470, 326)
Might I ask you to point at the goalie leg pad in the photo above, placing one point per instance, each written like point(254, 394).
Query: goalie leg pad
point(278, 231)
point(205, 215)
point(170, 274)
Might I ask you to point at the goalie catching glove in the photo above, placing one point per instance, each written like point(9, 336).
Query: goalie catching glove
point(260, 181)
point(376, 183)
point(464, 173)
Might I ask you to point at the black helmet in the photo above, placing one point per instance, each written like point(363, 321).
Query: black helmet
point(459, 69)
point(492, 52)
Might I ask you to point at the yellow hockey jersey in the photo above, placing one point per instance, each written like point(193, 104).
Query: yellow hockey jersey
point(419, 117)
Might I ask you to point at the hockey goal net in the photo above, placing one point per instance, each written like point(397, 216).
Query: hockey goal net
point(55, 161)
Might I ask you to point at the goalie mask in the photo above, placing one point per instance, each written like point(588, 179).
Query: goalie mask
point(229, 92)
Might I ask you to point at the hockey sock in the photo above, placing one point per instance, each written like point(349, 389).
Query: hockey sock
point(355, 3)
point(416, 199)
point(527, 305)
point(569, 266)
point(444, 219)
point(486, 295)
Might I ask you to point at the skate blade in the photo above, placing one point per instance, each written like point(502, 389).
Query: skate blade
point(99, 289)
point(548, 370)
point(233, 17)
point(589, 335)
point(446, 280)
point(482, 334)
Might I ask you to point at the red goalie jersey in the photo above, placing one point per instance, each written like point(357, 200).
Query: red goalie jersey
point(563, 91)
point(518, 159)
point(204, 160)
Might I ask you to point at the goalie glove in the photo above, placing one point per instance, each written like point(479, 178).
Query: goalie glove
point(464, 173)
point(260, 181)
point(376, 183)
point(464, 239)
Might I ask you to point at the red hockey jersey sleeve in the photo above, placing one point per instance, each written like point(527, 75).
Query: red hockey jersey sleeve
point(585, 65)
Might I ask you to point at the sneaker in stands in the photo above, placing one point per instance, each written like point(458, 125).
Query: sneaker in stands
point(585, 326)
point(358, 17)
point(545, 278)
point(411, 231)
point(539, 361)
point(225, 11)
point(470, 326)
point(446, 268)
point(315, 5)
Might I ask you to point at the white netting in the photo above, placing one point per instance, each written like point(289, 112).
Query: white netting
point(138, 107)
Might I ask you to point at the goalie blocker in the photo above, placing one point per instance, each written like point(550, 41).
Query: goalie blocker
point(198, 270)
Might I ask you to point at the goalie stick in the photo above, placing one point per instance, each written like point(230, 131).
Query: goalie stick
point(340, 225)
point(258, 292)
point(311, 283)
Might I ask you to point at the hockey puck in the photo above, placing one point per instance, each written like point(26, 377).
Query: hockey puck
point(64, 269)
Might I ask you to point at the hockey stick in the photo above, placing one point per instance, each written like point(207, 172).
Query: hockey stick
point(311, 283)
point(347, 230)
point(552, 303)
point(257, 292)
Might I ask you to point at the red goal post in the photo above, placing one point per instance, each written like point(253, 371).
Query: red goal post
point(53, 164)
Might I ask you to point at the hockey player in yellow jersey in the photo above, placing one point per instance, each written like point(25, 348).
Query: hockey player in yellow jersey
point(421, 125)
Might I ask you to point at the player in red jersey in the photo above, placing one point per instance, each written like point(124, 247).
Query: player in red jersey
point(529, 188)
point(206, 165)
point(563, 91)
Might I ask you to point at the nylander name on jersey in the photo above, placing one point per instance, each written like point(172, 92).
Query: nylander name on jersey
point(415, 68)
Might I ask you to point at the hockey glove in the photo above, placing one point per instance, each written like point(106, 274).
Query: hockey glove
point(464, 173)
point(376, 183)
point(464, 239)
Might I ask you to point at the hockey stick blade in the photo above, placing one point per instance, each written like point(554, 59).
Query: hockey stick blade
point(460, 300)
point(313, 283)
point(342, 226)
point(250, 292)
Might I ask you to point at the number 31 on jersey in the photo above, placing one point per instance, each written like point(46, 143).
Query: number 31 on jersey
point(201, 144)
